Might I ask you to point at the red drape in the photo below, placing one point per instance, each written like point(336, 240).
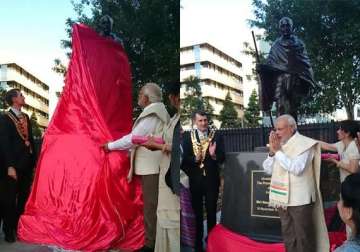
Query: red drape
point(80, 198)
point(222, 239)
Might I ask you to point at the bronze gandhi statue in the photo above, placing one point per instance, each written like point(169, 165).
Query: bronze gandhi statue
point(287, 76)
point(105, 29)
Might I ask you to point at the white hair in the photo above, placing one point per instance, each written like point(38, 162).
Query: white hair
point(290, 120)
point(153, 92)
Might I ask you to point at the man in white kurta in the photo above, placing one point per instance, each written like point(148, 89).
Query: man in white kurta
point(146, 163)
point(294, 162)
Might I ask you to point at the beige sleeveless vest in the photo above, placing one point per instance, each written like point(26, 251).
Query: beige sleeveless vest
point(305, 188)
point(144, 161)
point(301, 187)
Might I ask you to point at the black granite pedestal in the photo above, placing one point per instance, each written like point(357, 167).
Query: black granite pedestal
point(245, 207)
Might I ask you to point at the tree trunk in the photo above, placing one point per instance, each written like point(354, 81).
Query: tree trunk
point(350, 112)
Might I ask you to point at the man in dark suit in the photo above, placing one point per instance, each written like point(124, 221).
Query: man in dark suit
point(16, 150)
point(203, 153)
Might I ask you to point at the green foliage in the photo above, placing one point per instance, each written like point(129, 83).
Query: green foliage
point(252, 112)
point(3, 104)
point(250, 51)
point(35, 126)
point(193, 100)
point(330, 31)
point(149, 30)
point(228, 116)
point(59, 67)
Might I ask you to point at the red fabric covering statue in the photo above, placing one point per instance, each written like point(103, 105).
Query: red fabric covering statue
point(80, 198)
point(224, 240)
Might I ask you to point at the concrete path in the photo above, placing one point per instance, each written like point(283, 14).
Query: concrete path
point(21, 247)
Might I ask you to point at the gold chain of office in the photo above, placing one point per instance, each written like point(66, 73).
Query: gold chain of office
point(21, 128)
point(201, 147)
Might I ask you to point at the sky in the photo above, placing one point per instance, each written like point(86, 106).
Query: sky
point(30, 35)
point(222, 23)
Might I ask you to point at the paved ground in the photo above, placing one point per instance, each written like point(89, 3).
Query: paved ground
point(21, 247)
point(24, 247)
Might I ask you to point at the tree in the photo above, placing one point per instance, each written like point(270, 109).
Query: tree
point(193, 100)
point(36, 131)
point(252, 112)
point(59, 67)
point(228, 115)
point(3, 104)
point(330, 30)
point(250, 51)
point(149, 30)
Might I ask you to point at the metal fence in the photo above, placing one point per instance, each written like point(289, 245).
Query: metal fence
point(247, 139)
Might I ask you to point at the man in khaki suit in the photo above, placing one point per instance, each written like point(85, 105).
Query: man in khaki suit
point(144, 162)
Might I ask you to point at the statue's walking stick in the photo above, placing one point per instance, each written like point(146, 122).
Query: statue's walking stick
point(259, 77)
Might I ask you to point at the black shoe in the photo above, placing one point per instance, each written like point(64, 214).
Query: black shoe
point(10, 238)
point(10, 235)
point(146, 249)
point(199, 249)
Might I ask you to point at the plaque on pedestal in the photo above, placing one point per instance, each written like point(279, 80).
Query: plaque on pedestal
point(245, 207)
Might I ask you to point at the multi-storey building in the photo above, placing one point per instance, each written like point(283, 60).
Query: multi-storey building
point(35, 91)
point(219, 74)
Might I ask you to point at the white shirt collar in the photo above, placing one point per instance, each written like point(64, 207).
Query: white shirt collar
point(202, 135)
point(16, 111)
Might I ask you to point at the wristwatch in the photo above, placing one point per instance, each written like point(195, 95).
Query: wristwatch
point(271, 154)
